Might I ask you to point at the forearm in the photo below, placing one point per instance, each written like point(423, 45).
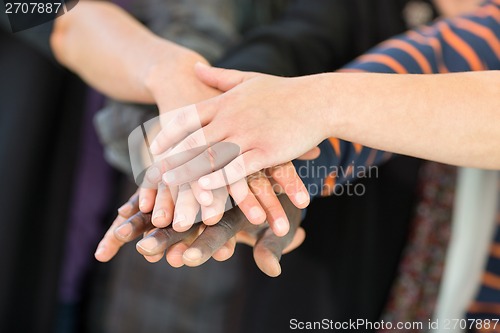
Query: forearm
point(452, 118)
point(112, 51)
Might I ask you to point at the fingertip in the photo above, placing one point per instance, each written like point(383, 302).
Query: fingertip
point(280, 226)
point(315, 152)
point(223, 254)
point(175, 262)
point(101, 255)
point(125, 210)
point(298, 239)
point(267, 263)
point(201, 65)
point(146, 246)
point(212, 219)
point(160, 219)
point(181, 224)
point(155, 148)
point(301, 199)
point(192, 257)
point(201, 69)
point(169, 178)
point(311, 154)
point(256, 215)
point(204, 182)
point(123, 231)
point(206, 198)
point(226, 251)
point(145, 205)
point(174, 255)
point(154, 259)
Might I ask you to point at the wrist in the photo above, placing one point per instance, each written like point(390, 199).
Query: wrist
point(324, 91)
point(166, 58)
point(339, 92)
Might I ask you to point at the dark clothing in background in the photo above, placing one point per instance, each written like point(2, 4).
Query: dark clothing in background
point(349, 260)
point(317, 36)
point(348, 263)
point(40, 114)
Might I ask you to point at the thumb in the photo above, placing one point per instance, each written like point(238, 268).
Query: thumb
point(220, 78)
point(311, 154)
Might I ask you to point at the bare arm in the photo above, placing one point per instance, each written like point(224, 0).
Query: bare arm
point(115, 54)
point(452, 118)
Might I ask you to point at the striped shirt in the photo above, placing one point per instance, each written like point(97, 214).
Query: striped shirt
point(466, 43)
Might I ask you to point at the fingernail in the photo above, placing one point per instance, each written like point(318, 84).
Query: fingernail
point(205, 198)
point(210, 212)
point(179, 218)
point(204, 181)
point(281, 226)
point(192, 254)
point(179, 221)
point(124, 230)
point(100, 250)
point(143, 203)
point(301, 198)
point(256, 213)
point(155, 148)
point(275, 269)
point(125, 209)
point(148, 244)
point(185, 225)
point(159, 214)
point(169, 177)
point(154, 174)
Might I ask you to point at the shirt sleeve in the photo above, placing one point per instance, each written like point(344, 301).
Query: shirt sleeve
point(37, 37)
point(466, 43)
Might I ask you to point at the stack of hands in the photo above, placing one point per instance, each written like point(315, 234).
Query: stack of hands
point(263, 211)
point(216, 237)
point(269, 120)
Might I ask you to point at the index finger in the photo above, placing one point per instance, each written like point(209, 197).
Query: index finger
point(176, 125)
point(269, 247)
point(214, 237)
point(130, 207)
point(161, 239)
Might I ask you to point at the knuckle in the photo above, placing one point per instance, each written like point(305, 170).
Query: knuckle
point(161, 139)
point(184, 173)
point(211, 157)
point(227, 228)
point(191, 142)
point(260, 187)
point(238, 168)
point(144, 219)
point(165, 234)
point(274, 211)
point(134, 199)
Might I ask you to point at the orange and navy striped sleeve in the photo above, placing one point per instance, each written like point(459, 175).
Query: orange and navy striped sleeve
point(466, 43)
point(486, 305)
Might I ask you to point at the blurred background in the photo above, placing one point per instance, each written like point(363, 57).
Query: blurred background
point(64, 172)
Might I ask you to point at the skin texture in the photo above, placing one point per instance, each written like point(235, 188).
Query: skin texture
point(195, 246)
point(449, 118)
point(118, 56)
point(94, 41)
point(179, 205)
